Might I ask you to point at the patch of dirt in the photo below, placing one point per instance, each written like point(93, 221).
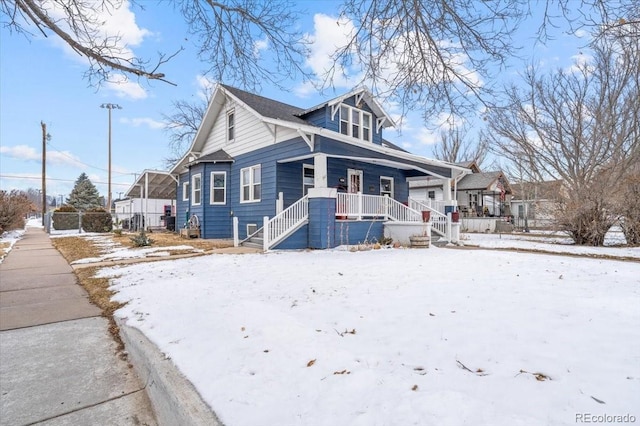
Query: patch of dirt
point(166, 239)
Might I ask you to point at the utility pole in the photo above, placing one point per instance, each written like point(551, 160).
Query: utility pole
point(44, 171)
point(109, 107)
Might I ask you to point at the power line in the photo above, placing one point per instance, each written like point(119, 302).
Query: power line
point(56, 179)
point(56, 149)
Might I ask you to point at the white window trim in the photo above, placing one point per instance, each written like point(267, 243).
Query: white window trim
point(212, 188)
point(393, 184)
point(229, 114)
point(305, 185)
point(185, 191)
point(251, 184)
point(349, 122)
point(193, 189)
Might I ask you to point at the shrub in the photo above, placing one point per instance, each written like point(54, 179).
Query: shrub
point(65, 217)
point(14, 206)
point(97, 220)
point(141, 240)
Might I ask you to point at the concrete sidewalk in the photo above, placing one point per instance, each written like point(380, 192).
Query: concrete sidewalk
point(58, 362)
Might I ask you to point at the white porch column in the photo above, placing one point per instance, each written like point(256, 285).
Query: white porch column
point(146, 201)
point(446, 191)
point(320, 171)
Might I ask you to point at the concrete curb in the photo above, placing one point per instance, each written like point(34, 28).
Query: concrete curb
point(174, 399)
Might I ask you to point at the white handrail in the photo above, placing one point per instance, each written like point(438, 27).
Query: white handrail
point(439, 222)
point(278, 227)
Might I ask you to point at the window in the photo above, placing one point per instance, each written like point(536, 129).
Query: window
point(308, 175)
point(386, 186)
point(231, 125)
point(250, 180)
point(185, 191)
point(431, 195)
point(355, 122)
point(218, 188)
point(196, 189)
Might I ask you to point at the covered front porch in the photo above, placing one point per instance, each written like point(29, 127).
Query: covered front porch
point(325, 218)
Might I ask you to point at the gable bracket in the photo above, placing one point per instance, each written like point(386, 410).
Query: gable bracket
point(334, 109)
point(308, 138)
point(271, 130)
point(359, 97)
point(380, 121)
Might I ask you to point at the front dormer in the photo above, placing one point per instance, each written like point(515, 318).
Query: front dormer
point(355, 114)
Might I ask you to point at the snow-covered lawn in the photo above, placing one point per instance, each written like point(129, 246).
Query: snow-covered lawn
point(395, 337)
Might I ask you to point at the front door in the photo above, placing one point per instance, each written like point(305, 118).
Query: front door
point(354, 186)
point(355, 181)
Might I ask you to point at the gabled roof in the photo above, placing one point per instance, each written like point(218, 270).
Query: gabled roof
point(368, 98)
point(469, 165)
point(277, 113)
point(267, 107)
point(220, 156)
point(482, 181)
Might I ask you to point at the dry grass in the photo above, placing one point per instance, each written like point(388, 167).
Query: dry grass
point(100, 295)
point(167, 239)
point(75, 248)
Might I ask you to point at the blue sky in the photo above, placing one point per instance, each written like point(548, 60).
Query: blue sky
point(42, 80)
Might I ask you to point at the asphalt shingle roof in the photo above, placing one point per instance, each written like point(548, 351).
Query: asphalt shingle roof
point(478, 180)
point(268, 107)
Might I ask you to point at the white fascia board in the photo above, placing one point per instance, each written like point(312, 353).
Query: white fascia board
point(213, 109)
point(373, 147)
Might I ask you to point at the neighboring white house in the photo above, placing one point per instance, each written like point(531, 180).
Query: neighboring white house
point(536, 202)
point(151, 213)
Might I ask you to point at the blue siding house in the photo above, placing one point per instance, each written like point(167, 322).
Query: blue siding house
point(262, 171)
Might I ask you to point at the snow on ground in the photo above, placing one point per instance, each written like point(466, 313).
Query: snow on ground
point(10, 237)
point(551, 243)
point(395, 337)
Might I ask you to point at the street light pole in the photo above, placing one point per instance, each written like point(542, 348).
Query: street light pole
point(109, 107)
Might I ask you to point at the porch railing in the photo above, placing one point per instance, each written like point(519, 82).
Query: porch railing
point(359, 206)
point(434, 205)
point(440, 222)
point(281, 225)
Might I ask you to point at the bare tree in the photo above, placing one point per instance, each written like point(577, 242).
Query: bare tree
point(443, 55)
point(455, 146)
point(231, 35)
point(182, 125)
point(579, 126)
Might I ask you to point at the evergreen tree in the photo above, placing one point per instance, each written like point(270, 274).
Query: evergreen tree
point(84, 195)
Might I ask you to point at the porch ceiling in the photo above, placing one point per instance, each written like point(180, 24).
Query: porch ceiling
point(160, 184)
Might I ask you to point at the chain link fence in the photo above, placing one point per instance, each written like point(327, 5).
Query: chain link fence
point(83, 222)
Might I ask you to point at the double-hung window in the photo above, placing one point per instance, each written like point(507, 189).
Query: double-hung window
point(355, 122)
point(250, 184)
point(218, 188)
point(185, 191)
point(196, 189)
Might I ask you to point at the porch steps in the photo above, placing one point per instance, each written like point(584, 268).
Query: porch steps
point(254, 241)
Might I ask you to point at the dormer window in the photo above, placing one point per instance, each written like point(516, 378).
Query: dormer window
point(355, 123)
